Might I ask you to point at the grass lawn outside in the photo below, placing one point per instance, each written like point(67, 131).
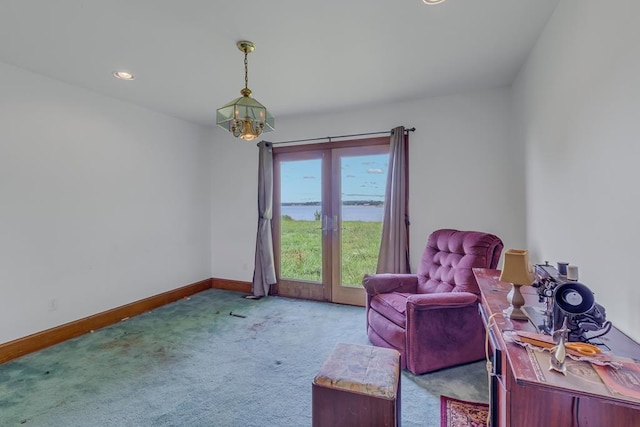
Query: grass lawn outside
point(301, 250)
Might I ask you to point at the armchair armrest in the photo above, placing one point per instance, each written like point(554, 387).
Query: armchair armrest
point(441, 300)
point(388, 282)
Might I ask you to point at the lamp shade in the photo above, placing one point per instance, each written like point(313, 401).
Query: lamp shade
point(244, 108)
point(516, 268)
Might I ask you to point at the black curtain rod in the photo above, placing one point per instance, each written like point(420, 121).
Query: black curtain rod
point(339, 136)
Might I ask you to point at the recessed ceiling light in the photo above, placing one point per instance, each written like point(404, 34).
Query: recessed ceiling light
point(124, 75)
point(432, 1)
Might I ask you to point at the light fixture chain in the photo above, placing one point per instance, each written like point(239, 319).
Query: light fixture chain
point(246, 71)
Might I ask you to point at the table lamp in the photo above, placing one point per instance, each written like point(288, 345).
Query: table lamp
point(518, 272)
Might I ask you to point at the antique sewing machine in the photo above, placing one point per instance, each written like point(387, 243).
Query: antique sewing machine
point(563, 298)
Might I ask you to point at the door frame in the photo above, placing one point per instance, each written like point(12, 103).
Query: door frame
point(298, 288)
point(339, 293)
point(305, 289)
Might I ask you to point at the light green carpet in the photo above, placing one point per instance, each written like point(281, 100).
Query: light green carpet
point(192, 364)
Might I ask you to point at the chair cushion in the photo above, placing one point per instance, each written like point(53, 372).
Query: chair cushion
point(449, 257)
point(393, 306)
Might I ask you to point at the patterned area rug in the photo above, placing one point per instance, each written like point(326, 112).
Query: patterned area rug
point(458, 413)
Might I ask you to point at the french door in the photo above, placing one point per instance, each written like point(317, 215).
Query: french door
point(328, 205)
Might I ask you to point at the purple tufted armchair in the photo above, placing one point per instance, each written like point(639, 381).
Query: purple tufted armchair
point(432, 317)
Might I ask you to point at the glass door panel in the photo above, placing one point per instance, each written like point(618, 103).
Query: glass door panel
point(300, 240)
point(358, 199)
point(301, 220)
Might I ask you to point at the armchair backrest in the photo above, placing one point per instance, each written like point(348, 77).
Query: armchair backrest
point(449, 257)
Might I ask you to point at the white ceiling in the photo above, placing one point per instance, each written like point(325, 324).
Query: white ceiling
point(310, 56)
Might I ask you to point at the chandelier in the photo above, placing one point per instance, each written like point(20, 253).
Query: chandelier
point(245, 117)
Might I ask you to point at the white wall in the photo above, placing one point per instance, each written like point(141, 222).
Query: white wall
point(234, 206)
point(577, 104)
point(101, 203)
point(465, 172)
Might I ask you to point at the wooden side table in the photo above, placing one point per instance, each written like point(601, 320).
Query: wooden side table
point(525, 393)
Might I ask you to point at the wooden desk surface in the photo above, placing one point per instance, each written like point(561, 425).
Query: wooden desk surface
point(530, 368)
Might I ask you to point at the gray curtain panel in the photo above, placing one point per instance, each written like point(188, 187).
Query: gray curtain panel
point(394, 248)
point(264, 273)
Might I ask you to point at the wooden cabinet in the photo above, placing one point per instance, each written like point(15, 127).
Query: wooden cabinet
point(525, 393)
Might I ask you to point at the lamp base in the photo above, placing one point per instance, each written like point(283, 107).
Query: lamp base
point(516, 301)
point(515, 313)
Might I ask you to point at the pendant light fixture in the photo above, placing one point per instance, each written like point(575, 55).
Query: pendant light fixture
point(245, 117)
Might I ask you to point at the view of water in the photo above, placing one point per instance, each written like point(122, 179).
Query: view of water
point(349, 213)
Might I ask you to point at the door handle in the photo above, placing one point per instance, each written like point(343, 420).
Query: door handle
point(325, 221)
